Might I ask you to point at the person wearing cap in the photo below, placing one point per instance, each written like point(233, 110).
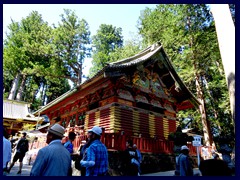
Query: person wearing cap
point(179, 138)
point(184, 164)
point(96, 161)
point(54, 159)
point(22, 148)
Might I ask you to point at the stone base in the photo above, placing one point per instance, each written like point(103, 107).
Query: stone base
point(151, 162)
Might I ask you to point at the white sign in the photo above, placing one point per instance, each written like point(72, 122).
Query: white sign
point(196, 143)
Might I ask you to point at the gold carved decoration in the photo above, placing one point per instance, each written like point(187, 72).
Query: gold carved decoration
point(142, 78)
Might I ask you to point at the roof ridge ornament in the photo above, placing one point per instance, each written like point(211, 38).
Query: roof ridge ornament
point(156, 45)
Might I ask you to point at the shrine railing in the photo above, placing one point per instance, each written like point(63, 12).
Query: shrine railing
point(118, 142)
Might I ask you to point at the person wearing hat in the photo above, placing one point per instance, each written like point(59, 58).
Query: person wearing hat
point(179, 138)
point(184, 164)
point(96, 160)
point(54, 159)
point(22, 148)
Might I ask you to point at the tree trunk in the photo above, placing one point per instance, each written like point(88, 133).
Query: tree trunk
point(79, 77)
point(206, 126)
point(41, 93)
point(14, 88)
point(34, 93)
point(226, 39)
point(21, 88)
point(212, 103)
point(205, 123)
point(44, 96)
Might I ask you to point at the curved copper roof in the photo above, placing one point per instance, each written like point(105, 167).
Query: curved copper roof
point(118, 68)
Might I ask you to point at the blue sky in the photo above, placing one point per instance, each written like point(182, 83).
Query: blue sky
point(119, 15)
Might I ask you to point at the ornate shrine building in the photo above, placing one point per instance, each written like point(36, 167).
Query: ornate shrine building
point(137, 97)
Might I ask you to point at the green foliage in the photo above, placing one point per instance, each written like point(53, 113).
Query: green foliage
point(71, 40)
point(130, 48)
point(188, 35)
point(29, 50)
point(36, 104)
point(105, 42)
point(7, 81)
point(55, 88)
point(107, 38)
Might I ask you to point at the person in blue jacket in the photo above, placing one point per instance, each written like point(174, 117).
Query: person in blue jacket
point(69, 144)
point(184, 163)
point(54, 159)
point(96, 161)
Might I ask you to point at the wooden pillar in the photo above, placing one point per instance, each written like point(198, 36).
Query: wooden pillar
point(123, 147)
point(103, 135)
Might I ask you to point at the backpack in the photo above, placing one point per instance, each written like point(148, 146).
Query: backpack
point(82, 156)
point(23, 146)
point(77, 163)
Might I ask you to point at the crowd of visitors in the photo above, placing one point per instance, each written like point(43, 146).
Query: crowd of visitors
point(91, 158)
point(209, 156)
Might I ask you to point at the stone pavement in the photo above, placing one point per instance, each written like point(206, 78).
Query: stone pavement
point(27, 168)
point(169, 173)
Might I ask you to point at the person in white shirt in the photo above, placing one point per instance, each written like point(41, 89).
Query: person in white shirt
point(205, 153)
point(7, 151)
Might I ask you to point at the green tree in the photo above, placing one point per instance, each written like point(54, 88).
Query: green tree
point(72, 43)
point(130, 48)
point(28, 58)
point(56, 88)
point(107, 39)
point(26, 49)
point(189, 39)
